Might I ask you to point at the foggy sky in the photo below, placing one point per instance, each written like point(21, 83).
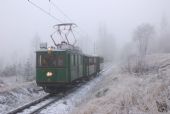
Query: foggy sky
point(20, 21)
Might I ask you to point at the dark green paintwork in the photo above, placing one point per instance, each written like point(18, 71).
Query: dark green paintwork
point(59, 75)
point(75, 67)
point(70, 72)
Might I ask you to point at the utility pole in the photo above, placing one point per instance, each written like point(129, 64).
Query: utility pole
point(94, 48)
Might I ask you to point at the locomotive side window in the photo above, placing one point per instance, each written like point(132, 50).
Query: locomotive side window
point(77, 60)
point(77, 57)
point(95, 60)
point(91, 61)
point(39, 61)
point(86, 60)
point(72, 60)
point(80, 60)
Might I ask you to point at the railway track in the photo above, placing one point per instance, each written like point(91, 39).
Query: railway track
point(36, 106)
point(20, 109)
point(39, 104)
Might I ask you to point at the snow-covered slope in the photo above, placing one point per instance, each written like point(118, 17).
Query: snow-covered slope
point(17, 94)
point(123, 93)
point(114, 92)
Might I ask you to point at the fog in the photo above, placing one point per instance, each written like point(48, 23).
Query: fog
point(133, 37)
point(21, 22)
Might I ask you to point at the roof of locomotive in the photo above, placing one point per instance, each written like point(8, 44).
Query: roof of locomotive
point(60, 50)
point(46, 50)
point(72, 51)
point(59, 47)
point(66, 49)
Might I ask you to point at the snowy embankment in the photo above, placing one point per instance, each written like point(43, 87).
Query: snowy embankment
point(117, 92)
point(14, 94)
point(123, 93)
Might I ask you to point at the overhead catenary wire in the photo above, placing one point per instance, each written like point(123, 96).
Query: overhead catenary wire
point(46, 12)
point(68, 18)
point(64, 14)
point(55, 18)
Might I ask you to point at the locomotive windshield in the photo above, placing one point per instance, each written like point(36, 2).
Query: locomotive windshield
point(50, 60)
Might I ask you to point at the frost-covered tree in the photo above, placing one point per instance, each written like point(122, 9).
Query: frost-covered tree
point(142, 36)
point(28, 70)
point(10, 70)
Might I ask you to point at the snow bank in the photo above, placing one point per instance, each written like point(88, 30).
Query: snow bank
point(123, 93)
point(12, 97)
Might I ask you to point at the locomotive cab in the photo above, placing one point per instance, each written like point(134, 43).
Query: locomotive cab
point(51, 68)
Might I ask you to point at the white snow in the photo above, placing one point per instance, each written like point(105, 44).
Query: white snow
point(113, 92)
point(130, 94)
point(17, 94)
point(117, 92)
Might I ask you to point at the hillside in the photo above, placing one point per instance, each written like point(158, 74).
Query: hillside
point(124, 93)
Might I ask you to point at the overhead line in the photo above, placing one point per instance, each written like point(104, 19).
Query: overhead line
point(60, 10)
point(52, 16)
point(44, 11)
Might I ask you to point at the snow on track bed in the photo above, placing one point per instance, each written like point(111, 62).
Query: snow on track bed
point(28, 105)
point(37, 106)
point(16, 96)
point(81, 95)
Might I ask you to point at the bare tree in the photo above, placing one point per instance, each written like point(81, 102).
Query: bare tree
point(142, 36)
point(28, 71)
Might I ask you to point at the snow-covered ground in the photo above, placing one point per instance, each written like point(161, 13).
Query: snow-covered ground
point(116, 92)
point(113, 92)
point(14, 94)
point(123, 93)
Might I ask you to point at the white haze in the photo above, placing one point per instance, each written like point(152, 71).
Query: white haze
point(20, 21)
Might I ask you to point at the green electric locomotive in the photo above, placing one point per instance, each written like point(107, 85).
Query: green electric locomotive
point(59, 68)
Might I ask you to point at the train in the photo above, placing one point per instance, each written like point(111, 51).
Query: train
point(62, 66)
point(57, 69)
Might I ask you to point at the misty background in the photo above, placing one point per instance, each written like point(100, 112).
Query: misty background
point(106, 28)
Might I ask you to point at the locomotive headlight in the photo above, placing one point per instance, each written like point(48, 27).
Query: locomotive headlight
point(49, 74)
point(49, 50)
